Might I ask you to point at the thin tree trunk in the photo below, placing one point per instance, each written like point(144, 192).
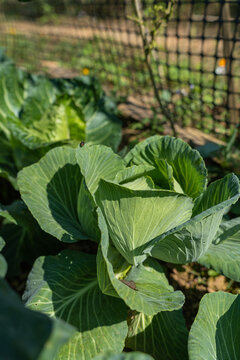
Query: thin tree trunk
point(148, 53)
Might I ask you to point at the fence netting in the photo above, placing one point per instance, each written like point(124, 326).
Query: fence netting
point(196, 67)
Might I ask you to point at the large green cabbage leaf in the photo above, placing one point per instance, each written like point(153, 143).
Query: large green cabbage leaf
point(188, 242)
point(223, 255)
point(66, 287)
point(164, 336)
point(135, 217)
point(215, 332)
point(24, 240)
point(57, 194)
point(27, 334)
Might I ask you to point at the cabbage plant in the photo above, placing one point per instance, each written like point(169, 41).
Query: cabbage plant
point(117, 217)
point(38, 113)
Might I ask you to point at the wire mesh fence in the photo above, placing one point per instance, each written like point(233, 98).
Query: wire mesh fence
point(197, 62)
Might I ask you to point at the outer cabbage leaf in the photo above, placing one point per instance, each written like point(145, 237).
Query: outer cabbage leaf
point(50, 189)
point(17, 213)
point(11, 90)
point(66, 287)
point(177, 165)
point(41, 95)
point(220, 194)
point(215, 332)
point(24, 239)
point(134, 218)
point(87, 219)
point(23, 156)
point(8, 168)
point(103, 128)
point(164, 336)
point(223, 254)
point(18, 340)
point(190, 241)
point(144, 288)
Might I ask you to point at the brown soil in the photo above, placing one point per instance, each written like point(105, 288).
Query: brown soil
point(120, 32)
point(194, 281)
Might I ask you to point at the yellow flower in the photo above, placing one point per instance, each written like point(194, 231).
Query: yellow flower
point(85, 71)
point(12, 31)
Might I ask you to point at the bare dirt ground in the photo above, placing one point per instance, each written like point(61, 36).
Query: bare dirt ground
point(120, 32)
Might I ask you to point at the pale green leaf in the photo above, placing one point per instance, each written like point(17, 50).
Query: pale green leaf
point(142, 183)
point(124, 356)
point(215, 332)
point(169, 155)
point(134, 218)
point(136, 177)
point(50, 189)
point(41, 94)
point(53, 127)
point(223, 254)
point(191, 240)
point(11, 90)
point(144, 288)
point(98, 162)
point(132, 173)
point(103, 128)
point(66, 287)
point(219, 195)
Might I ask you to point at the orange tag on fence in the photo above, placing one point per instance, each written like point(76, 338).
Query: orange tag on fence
point(221, 67)
point(222, 62)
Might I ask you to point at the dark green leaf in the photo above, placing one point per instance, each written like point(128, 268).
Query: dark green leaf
point(164, 336)
point(26, 334)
